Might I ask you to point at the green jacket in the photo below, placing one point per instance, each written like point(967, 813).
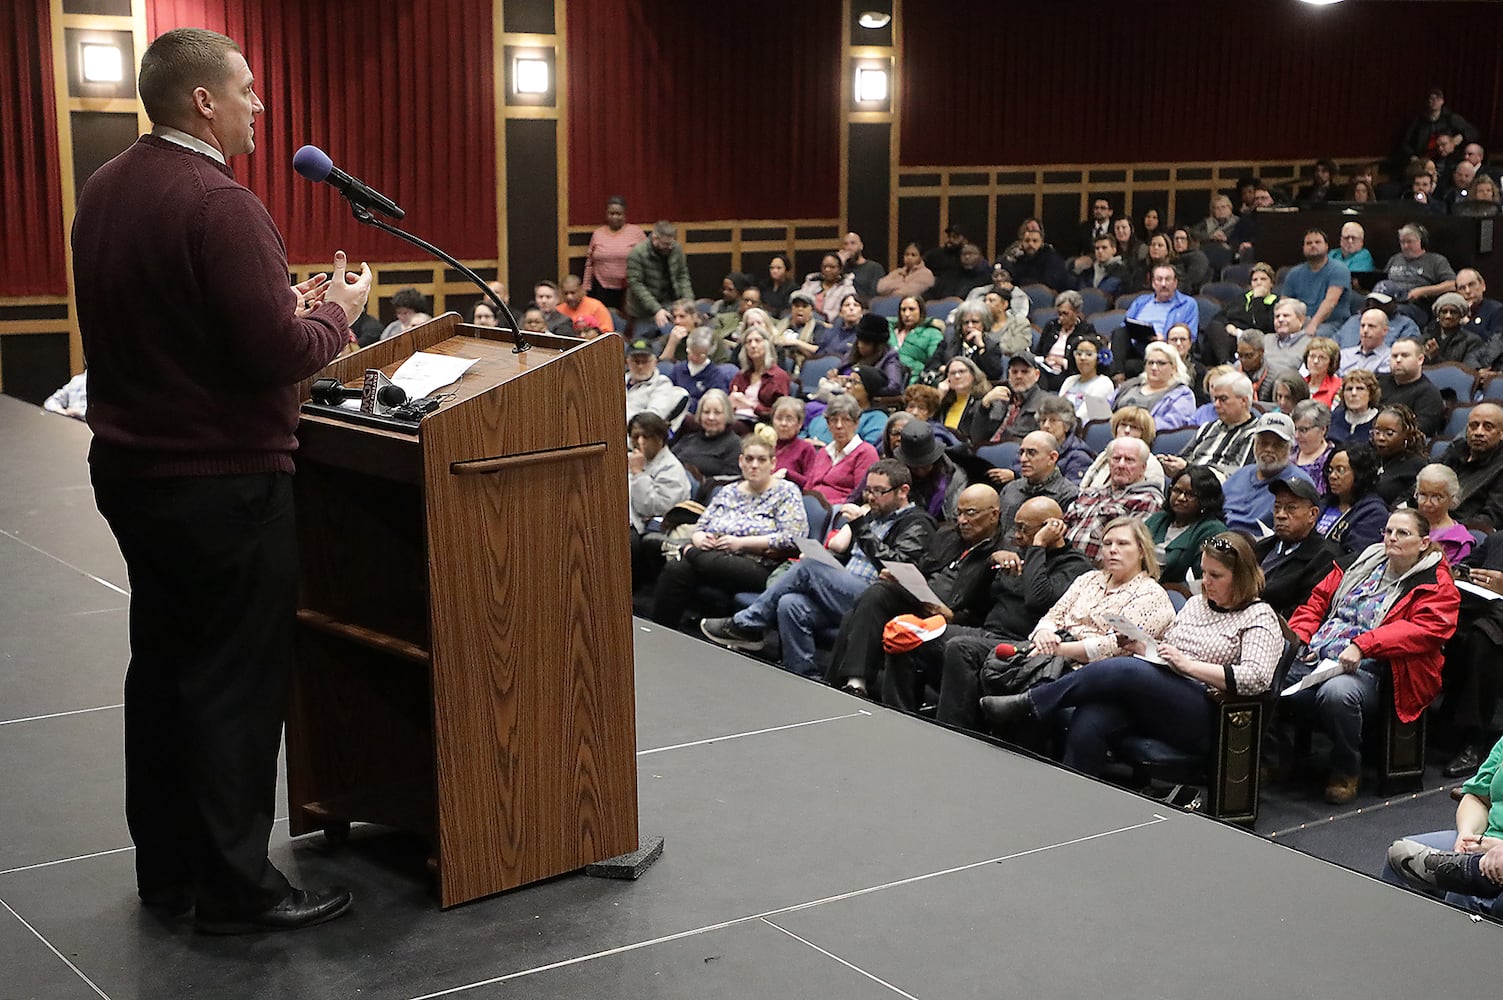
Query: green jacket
point(918, 346)
point(654, 281)
point(1182, 555)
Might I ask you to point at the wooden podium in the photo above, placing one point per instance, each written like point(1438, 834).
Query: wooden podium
point(465, 641)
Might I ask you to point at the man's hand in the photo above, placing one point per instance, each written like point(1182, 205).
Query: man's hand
point(998, 394)
point(1000, 477)
point(1050, 534)
point(1008, 562)
point(1492, 864)
point(1172, 464)
point(310, 294)
point(636, 462)
point(661, 318)
point(1490, 578)
point(348, 289)
point(1350, 658)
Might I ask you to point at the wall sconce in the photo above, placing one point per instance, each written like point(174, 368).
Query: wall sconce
point(101, 63)
point(871, 85)
point(874, 19)
point(529, 76)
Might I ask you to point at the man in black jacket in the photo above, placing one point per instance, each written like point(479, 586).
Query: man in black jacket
point(1294, 558)
point(815, 594)
point(1477, 460)
point(1029, 582)
point(958, 568)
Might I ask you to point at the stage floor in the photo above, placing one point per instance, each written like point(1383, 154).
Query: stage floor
point(816, 847)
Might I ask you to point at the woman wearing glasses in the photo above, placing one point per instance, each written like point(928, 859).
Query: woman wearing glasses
point(1391, 609)
point(1193, 515)
point(1163, 389)
point(1225, 638)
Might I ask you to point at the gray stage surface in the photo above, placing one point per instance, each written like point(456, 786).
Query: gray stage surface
point(816, 847)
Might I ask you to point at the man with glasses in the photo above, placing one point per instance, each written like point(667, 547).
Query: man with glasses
point(1352, 250)
point(1477, 461)
point(1249, 504)
point(1098, 225)
point(1038, 461)
point(1484, 317)
point(1295, 557)
point(816, 594)
point(958, 567)
point(657, 272)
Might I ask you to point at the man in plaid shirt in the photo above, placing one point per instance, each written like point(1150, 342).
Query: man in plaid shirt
point(1128, 494)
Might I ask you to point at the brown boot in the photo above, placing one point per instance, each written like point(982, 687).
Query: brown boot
point(1342, 788)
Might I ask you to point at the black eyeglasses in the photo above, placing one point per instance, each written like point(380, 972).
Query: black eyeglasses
point(881, 491)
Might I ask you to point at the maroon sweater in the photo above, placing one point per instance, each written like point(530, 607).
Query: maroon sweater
point(188, 322)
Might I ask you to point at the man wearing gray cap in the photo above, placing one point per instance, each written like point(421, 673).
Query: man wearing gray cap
point(1249, 504)
point(1295, 557)
point(1450, 338)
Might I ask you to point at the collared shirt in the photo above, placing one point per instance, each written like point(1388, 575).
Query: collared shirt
point(181, 138)
point(1093, 510)
point(1353, 358)
point(1225, 449)
point(859, 565)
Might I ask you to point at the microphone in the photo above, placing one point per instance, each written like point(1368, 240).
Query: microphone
point(329, 392)
point(1004, 650)
point(314, 164)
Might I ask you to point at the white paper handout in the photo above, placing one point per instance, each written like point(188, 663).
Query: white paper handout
point(815, 552)
point(422, 373)
point(1467, 586)
point(1129, 629)
point(1323, 672)
point(911, 580)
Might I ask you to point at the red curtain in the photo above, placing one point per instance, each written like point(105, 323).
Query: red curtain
point(1183, 80)
point(31, 199)
point(400, 95)
point(704, 111)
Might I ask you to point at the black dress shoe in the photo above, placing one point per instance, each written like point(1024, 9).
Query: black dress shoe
point(1003, 711)
point(1464, 763)
point(301, 908)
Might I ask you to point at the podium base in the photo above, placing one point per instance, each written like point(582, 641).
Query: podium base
point(628, 866)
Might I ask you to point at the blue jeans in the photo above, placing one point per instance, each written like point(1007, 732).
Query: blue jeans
point(809, 597)
point(1340, 706)
point(1445, 840)
point(1123, 695)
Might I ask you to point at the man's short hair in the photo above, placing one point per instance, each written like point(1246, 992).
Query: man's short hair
point(896, 472)
point(1251, 338)
point(702, 339)
point(663, 227)
point(545, 283)
point(1235, 383)
point(1418, 346)
point(410, 298)
point(1317, 231)
point(570, 281)
point(177, 62)
point(1105, 238)
point(1298, 305)
point(1418, 232)
point(1136, 444)
point(1165, 267)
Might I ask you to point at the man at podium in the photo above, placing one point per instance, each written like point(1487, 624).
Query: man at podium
point(196, 346)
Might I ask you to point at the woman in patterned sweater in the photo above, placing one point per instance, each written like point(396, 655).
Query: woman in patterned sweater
point(1226, 639)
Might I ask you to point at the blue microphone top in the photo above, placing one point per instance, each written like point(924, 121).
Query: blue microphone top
point(312, 163)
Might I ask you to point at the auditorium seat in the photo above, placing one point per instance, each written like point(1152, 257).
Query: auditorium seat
point(1225, 292)
point(1041, 296)
point(1458, 379)
point(1106, 322)
point(1093, 301)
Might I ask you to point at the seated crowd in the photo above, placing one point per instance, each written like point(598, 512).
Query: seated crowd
point(1066, 535)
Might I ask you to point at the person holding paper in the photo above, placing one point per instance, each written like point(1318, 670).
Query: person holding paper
point(1392, 608)
point(817, 593)
point(1225, 638)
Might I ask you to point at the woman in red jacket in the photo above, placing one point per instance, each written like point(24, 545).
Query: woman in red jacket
point(1391, 608)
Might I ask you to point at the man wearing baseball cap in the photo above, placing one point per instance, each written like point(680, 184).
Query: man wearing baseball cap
point(1249, 504)
point(1295, 557)
point(649, 390)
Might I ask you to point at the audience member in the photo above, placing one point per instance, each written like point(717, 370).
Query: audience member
point(1130, 250)
point(1040, 263)
point(737, 541)
point(657, 272)
point(1162, 389)
point(1284, 347)
point(483, 314)
point(862, 384)
point(1010, 411)
point(1322, 361)
point(1224, 444)
point(1193, 515)
point(577, 305)
point(1321, 284)
point(1352, 250)
point(1422, 138)
point(1038, 461)
point(805, 332)
point(655, 478)
point(1249, 504)
point(1352, 420)
point(958, 569)
point(1354, 513)
point(685, 321)
point(1057, 418)
point(697, 374)
point(534, 321)
point(972, 272)
point(1252, 361)
point(1437, 491)
point(914, 335)
point(814, 595)
point(794, 458)
point(1224, 639)
point(760, 382)
point(710, 450)
point(1097, 225)
point(937, 482)
point(944, 260)
point(1478, 462)
point(1288, 391)
point(1312, 449)
point(842, 333)
point(1254, 311)
point(605, 260)
point(1370, 353)
point(1322, 186)
point(1088, 380)
point(72, 400)
point(1217, 227)
point(1415, 275)
point(964, 387)
point(1106, 272)
point(1160, 309)
point(1449, 338)
point(1484, 317)
point(864, 273)
point(1128, 494)
point(1402, 451)
point(1133, 422)
point(1390, 610)
point(1406, 383)
point(545, 298)
point(778, 286)
point(649, 390)
point(411, 309)
point(1396, 324)
point(873, 348)
point(1194, 268)
point(846, 457)
point(912, 278)
point(1295, 557)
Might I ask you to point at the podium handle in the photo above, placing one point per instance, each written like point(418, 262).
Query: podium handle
point(483, 466)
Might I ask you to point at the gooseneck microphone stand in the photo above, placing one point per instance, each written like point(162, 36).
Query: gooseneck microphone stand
point(363, 214)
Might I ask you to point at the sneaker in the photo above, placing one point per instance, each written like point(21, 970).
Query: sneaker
point(1342, 788)
point(727, 633)
point(1428, 868)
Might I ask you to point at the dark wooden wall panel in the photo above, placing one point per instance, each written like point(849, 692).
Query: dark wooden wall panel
point(532, 205)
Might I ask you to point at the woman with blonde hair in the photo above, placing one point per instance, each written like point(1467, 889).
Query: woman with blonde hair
point(1130, 421)
point(1163, 389)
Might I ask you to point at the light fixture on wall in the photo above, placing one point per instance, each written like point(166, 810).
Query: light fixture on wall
point(101, 63)
point(871, 84)
point(529, 76)
point(874, 19)
point(1321, 3)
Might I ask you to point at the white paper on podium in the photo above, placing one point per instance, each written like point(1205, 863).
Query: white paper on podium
point(422, 373)
point(912, 580)
point(1323, 672)
point(815, 552)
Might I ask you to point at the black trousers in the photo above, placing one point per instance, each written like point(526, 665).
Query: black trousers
point(213, 575)
point(858, 648)
point(1471, 683)
point(611, 298)
point(680, 585)
point(960, 683)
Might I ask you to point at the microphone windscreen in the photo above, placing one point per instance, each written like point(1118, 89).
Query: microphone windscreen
point(1004, 650)
point(312, 163)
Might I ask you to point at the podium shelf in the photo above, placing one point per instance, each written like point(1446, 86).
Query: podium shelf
point(368, 637)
